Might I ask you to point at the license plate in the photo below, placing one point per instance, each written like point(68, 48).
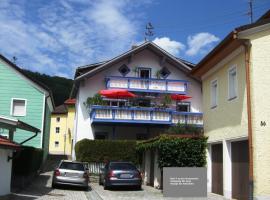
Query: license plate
point(126, 176)
point(71, 174)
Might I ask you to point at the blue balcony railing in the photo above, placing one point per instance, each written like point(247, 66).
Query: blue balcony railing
point(147, 85)
point(143, 115)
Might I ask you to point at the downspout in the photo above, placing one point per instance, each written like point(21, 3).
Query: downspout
point(249, 112)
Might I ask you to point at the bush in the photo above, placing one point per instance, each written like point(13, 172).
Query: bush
point(177, 151)
point(185, 129)
point(27, 161)
point(105, 150)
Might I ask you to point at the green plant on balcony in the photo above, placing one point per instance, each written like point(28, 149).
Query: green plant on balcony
point(166, 101)
point(184, 129)
point(95, 100)
point(158, 74)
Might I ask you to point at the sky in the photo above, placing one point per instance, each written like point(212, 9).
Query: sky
point(57, 36)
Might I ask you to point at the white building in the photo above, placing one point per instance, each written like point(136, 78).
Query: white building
point(147, 71)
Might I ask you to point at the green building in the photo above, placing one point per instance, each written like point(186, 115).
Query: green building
point(24, 99)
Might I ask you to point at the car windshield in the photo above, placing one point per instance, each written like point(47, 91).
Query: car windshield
point(122, 166)
point(72, 166)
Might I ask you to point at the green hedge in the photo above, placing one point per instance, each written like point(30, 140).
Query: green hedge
point(27, 161)
point(105, 150)
point(176, 151)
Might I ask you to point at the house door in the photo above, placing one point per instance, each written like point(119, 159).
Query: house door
point(240, 168)
point(152, 167)
point(217, 168)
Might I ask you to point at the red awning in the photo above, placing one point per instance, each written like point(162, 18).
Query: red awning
point(116, 93)
point(179, 97)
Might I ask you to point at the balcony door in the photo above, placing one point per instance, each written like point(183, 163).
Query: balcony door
point(144, 73)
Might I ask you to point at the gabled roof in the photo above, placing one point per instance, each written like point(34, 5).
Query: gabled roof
point(231, 41)
point(8, 144)
point(62, 109)
point(38, 84)
point(70, 102)
point(95, 68)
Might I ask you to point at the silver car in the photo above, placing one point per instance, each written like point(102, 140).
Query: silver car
point(71, 173)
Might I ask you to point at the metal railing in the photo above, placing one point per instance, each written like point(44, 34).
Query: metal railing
point(147, 85)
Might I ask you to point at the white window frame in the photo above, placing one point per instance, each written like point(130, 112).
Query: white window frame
point(230, 98)
point(11, 107)
point(211, 94)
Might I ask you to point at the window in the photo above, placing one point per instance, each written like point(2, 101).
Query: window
point(232, 83)
point(144, 73)
point(18, 107)
point(183, 106)
point(164, 72)
point(57, 129)
point(56, 144)
point(214, 86)
point(124, 70)
point(58, 119)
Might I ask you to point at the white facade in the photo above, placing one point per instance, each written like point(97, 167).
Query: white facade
point(5, 172)
point(92, 85)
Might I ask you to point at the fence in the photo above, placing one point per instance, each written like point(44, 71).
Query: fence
point(95, 168)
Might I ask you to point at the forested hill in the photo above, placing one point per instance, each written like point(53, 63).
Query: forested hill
point(59, 86)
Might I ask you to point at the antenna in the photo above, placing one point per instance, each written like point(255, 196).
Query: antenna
point(250, 12)
point(149, 31)
point(14, 59)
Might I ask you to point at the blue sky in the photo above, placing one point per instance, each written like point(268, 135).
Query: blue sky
point(56, 36)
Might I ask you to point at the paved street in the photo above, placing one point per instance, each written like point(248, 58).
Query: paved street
point(41, 189)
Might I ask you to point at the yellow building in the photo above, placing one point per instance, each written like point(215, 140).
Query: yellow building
point(61, 133)
point(236, 78)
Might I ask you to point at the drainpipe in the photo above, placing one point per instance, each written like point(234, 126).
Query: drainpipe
point(249, 112)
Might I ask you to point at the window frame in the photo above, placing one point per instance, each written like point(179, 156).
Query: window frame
point(57, 144)
point(58, 120)
point(144, 68)
point(25, 107)
point(56, 129)
point(211, 94)
point(234, 67)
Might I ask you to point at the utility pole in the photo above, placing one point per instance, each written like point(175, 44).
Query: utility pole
point(149, 31)
point(250, 12)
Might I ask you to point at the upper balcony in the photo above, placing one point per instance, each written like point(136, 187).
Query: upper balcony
point(143, 115)
point(147, 85)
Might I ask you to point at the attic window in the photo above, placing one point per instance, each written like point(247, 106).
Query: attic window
point(164, 72)
point(124, 70)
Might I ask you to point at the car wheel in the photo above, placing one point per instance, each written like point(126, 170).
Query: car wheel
point(53, 185)
point(100, 182)
point(139, 187)
point(105, 187)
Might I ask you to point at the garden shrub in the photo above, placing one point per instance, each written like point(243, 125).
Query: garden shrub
point(27, 161)
point(106, 150)
point(176, 151)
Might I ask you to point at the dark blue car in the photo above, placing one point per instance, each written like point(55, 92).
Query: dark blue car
point(120, 174)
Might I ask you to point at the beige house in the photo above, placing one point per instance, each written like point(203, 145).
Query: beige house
point(61, 133)
point(235, 77)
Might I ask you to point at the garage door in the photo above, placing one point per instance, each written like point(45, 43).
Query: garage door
point(240, 166)
point(217, 168)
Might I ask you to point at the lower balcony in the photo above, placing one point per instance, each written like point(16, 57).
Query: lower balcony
point(143, 115)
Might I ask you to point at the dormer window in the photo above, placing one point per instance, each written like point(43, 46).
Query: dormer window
point(164, 72)
point(124, 70)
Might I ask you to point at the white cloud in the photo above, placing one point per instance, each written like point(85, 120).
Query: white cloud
point(57, 36)
point(200, 43)
point(173, 47)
